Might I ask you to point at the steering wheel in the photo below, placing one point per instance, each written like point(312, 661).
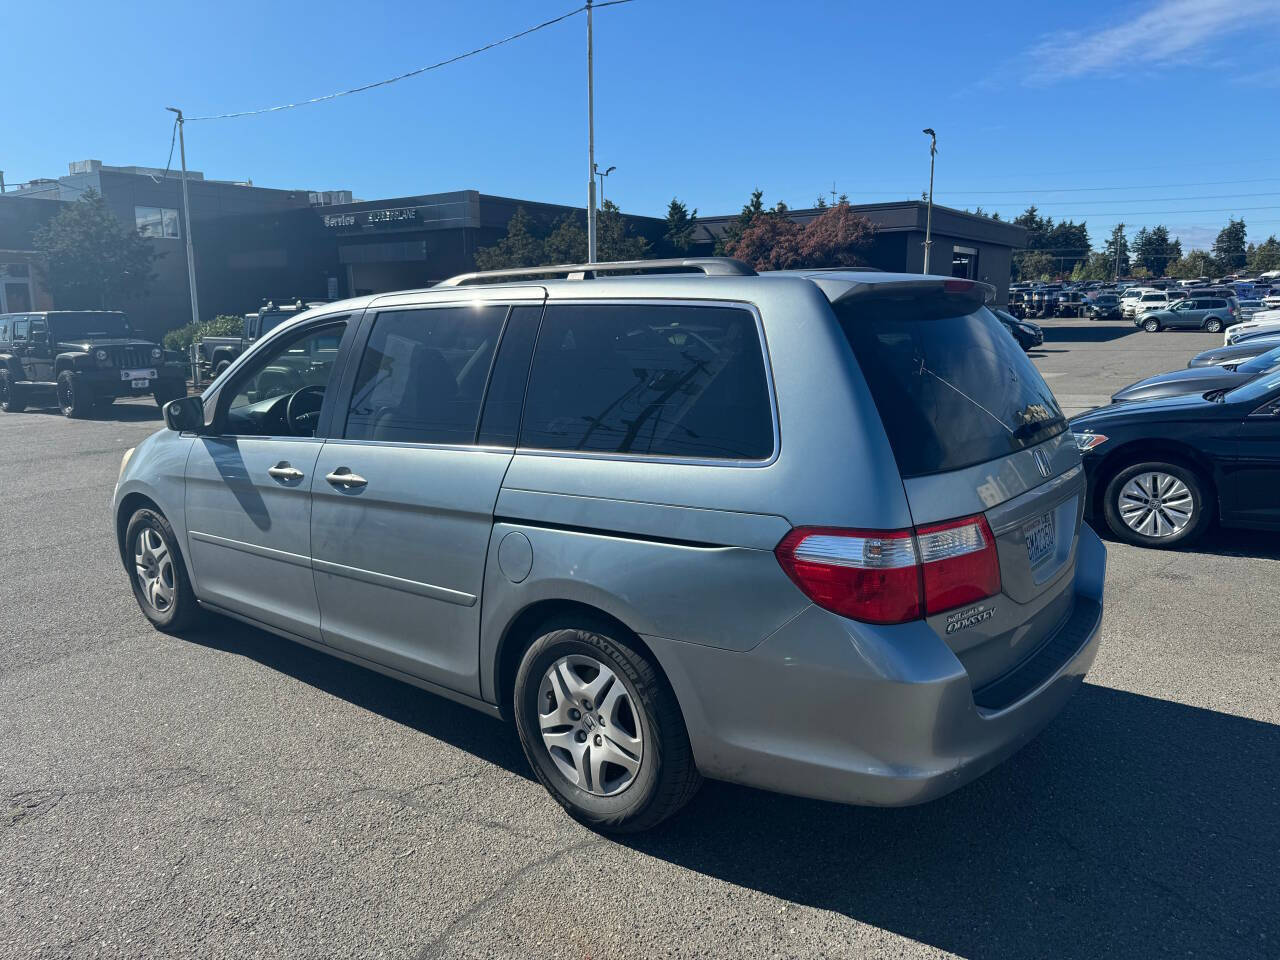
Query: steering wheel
point(303, 410)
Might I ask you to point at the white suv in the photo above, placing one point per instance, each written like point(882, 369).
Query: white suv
point(1147, 301)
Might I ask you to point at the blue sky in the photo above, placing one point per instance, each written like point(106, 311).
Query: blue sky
point(1152, 111)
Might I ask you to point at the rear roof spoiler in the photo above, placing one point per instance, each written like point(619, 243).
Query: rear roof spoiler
point(842, 289)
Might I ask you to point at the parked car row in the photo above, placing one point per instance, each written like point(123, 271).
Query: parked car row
point(1174, 453)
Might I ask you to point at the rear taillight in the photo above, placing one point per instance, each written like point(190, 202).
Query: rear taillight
point(892, 576)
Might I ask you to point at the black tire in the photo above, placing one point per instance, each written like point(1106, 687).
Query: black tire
point(181, 612)
point(11, 398)
point(220, 368)
point(167, 390)
point(667, 777)
point(75, 397)
point(1202, 504)
point(1213, 325)
point(1151, 325)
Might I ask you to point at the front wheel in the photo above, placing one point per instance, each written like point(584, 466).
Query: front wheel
point(1151, 325)
point(1213, 325)
point(1157, 504)
point(602, 729)
point(75, 398)
point(11, 399)
point(157, 574)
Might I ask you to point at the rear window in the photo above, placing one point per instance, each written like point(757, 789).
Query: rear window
point(951, 388)
point(652, 379)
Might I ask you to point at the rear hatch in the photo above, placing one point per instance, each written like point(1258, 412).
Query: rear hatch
point(975, 431)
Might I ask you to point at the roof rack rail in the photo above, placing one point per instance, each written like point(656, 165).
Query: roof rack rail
point(711, 266)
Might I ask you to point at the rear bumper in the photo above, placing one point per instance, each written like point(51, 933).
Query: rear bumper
point(836, 710)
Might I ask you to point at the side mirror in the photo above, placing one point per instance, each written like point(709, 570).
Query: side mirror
point(186, 414)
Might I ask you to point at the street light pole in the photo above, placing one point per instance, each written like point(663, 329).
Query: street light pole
point(186, 214)
point(602, 174)
point(591, 145)
point(928, 222)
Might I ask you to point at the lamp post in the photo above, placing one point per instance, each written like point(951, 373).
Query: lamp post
point(186, 214)
point(602, 174)
point(591, 146)
point(928, 222)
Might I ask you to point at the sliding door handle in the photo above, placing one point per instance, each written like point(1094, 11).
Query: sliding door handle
point(343, 477)
point(284, 472)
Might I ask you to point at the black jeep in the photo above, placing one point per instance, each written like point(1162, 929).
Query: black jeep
point(79, 359)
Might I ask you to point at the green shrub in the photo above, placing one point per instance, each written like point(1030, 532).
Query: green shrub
point(223, 325)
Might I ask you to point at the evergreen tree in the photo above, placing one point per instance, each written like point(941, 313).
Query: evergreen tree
point(91, 261)
point(521, 247)
point(1228, 248)
point(680, 225)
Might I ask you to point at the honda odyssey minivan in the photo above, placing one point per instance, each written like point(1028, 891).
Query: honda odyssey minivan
point(818, 532)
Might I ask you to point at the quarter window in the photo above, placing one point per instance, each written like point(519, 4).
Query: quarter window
point(652, 379)
point(156, 222)
point(423, 374)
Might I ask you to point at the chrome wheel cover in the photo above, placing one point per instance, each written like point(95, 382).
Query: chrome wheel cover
point(153, 566)
point(589, 725)
point(1156, 504)
point(66, 396)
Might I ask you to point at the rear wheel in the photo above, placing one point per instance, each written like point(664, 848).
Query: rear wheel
point(1157, 504)
point(75, 398)
point(602, 729)
point(1151, 325)
point(1213, 325)
point(11, 399)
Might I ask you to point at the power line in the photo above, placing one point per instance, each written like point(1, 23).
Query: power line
point(411, 73)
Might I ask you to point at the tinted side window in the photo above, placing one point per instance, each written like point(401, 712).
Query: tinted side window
point(20, 330)
point(653, 379)
point(423, 374)
point(500, 422)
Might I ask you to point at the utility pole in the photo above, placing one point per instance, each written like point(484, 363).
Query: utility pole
point(186, 214)
point(928, 223)
point(1, 181)
point(591, 145)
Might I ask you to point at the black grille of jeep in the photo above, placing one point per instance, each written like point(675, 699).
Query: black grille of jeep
point(130, 358)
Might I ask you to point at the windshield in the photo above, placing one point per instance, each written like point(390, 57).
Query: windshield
point(952, 388)
point(82, 326)
point(1261, 363)
point(1255, 391)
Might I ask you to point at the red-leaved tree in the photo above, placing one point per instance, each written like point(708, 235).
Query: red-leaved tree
point(835, 239)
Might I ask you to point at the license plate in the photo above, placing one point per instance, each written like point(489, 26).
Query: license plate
point(1041, 538)
point(139, 384)
point(136, 375)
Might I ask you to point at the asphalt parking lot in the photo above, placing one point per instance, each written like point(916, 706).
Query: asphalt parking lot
point(232, 794)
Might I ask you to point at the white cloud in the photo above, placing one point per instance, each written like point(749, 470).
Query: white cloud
point(1195, 238)
point(1163, 30)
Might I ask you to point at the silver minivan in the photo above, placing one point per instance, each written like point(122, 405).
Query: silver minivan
point(818, 532)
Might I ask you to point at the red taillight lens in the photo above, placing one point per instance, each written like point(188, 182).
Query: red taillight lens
point(866, 575)
point(959, 561)
point(892, 576)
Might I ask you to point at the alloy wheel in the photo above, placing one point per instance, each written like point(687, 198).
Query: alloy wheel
point(590, 726)
point(153, 566)
point(1156, 505)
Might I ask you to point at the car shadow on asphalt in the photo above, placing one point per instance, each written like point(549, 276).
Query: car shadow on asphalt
point(117, 413)
point(485, 737)
point(1087, 332)
point(1220, 542)
point(1131, 827)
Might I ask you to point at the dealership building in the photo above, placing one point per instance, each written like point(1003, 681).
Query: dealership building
point(255, 243)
